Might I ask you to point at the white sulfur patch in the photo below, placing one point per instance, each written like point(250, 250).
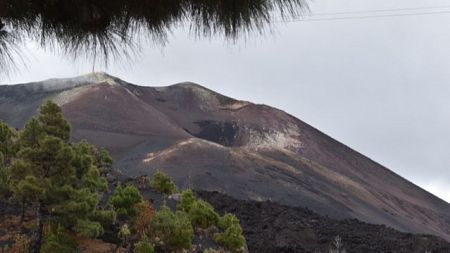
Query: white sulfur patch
point(287, 138)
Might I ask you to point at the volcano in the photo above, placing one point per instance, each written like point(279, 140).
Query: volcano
point(211, 142)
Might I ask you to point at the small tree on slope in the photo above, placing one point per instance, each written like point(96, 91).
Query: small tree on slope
point(163, 184)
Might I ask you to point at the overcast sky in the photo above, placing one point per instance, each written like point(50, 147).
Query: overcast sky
point(379, 85)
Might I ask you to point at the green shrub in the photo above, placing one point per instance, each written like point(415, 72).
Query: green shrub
point(202, 214)
point(232, 238)
point(144, 246)
point(227, 221)
point(106, 158)
point(163, 184)
point(105, 217)
point(57, 241)
point(89, 228)
point(124, 200)
point(187, 200)
point(174, 229)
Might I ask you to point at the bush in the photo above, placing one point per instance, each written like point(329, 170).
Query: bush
point(124, 200)
point(144, 246)
point(105, 217)
point(227, 221)
point(187, 200)
point(89, 228)
point(105, 158)
point(202, 214)
point(232, 238)
point(163, 184)
point(174, 229)
point(57, 241)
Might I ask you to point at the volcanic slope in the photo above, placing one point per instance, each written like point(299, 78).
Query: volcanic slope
point(211, 142)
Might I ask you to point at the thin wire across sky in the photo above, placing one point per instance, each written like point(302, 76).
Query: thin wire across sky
point(374, 14)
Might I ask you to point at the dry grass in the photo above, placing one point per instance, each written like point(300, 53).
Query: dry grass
point(88, 245)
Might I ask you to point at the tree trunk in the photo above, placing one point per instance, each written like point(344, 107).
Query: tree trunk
point(40, 230)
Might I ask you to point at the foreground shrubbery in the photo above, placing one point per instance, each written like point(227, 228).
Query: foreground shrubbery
point(104, 217)
point(173, 228)
point(124, 200)
point(144, 246)
point(57, 241)
point(232, 239)
point(163, 184)
point(203, 215)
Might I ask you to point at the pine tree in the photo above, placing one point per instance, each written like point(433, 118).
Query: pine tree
point(187, 200)
point(4, 187)
point(53, 121)
point(202, 215)
point(124, 200)
point(232, 236)
point(61, 181)
point(7, 150)
point(174, 229)
point(7, 136)
point(163, 184)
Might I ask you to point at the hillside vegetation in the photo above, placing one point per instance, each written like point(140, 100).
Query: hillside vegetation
point(60, 197)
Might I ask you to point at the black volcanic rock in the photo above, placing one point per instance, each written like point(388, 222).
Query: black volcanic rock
point(212, 142)
point(270, 227)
